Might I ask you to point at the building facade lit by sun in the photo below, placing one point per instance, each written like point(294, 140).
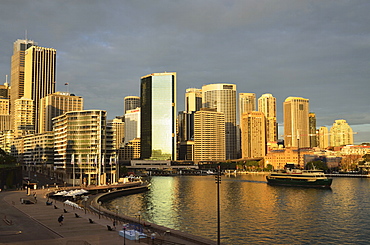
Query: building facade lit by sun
point(158, 116)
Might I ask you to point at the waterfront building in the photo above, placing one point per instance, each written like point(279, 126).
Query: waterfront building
point(278, 158)
point(158, 116)
point(131, 103)
point(81, 137)
point(34, 149)
point(132, 124)
point(312, 129)
point(341, 133)
point(267, 105)
point(193, 99)
point(131, 150)
point(23, 117)
point(17, 67)
point(209, 135)
point(355, 150)
point(39, 77)
point(56, 104)
point(222, 97)
point(296, 123)
point(323, 137)
point(253, 135)
point(185, 133)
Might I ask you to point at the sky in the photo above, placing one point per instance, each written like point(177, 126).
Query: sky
point(316, 49)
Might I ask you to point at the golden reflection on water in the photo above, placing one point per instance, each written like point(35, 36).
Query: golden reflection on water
point(255, 212)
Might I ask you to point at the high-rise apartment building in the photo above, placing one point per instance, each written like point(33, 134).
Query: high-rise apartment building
point(23, 117)
point(296, 123)
point(132, 124)
point(80, 146)
point(323, 137)
point(4, 114)
point(158, 116)
point(209, 135)
point(247, 103)
point(341, 133)
point(17, 71)
point(39, 76)
point(131, 103)
point(267, 105)
point(118, 127)
point(222, 97)
point(54, 105)
point(312, 129)
point(193, 99)
point(253, 135)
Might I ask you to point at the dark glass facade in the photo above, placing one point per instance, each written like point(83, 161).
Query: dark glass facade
point(158, 107)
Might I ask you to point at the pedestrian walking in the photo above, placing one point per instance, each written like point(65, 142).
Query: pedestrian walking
point(60, 219)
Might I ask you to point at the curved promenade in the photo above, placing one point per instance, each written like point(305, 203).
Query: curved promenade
point(37, 224)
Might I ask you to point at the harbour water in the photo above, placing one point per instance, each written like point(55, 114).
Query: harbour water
point(253, 212)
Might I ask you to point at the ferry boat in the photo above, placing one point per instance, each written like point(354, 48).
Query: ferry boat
point(291, 176)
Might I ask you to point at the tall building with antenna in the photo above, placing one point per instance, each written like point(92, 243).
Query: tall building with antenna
point(17, 67)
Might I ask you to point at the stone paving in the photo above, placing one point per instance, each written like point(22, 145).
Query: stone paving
point(38, 224)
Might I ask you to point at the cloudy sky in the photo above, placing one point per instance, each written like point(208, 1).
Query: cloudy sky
point(318, 49)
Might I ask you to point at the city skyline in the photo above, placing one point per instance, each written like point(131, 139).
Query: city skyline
point(309, 49)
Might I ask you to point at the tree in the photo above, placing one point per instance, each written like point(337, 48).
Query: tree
point(318, 164)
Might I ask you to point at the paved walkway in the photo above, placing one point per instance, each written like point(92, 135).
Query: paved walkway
point(37, 224)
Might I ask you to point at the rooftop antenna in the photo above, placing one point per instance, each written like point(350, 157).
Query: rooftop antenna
point(6, 80)
point(25, 35)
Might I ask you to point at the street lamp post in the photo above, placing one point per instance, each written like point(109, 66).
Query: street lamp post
point(115, 220)
point(218, 182)
point(124, 235)
point(85, 199)
point(99, 208)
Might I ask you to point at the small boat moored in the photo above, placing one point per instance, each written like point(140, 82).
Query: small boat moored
point(291, 176)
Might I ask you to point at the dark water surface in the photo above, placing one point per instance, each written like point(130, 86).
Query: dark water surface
point(253, 212)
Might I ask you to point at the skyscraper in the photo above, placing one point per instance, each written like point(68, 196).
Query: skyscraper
point(158, 116)
point(253, 134)
point(323, 137)
point(54, 105)
point(312, 129)
point(40, 73)
point(247, 103)
point(131, 103)
point(17, 71)
point(222, 97)
point(209, 135)
point(132, 124)
point(341, 133)
point(296, 129)
point(23, 117)
point(267, 105)
point(193, 99)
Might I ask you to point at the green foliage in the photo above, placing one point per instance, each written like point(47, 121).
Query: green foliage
point(6, 159)
point(320, 165)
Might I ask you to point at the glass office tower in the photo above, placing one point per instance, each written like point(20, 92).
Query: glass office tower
point(158, 116)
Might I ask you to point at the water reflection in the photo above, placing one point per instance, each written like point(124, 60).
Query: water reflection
point(254, 212)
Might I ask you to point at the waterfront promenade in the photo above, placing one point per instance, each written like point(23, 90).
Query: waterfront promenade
point(37, 224)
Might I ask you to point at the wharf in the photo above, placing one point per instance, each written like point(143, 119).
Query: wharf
point(37, 223)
